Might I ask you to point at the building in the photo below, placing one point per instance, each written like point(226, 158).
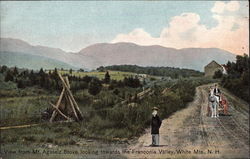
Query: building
point(212, 67)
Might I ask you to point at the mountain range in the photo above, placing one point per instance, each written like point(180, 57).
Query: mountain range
point(106, 54)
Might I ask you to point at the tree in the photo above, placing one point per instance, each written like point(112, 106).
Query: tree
point(70, 71)
point(20, 84)
point(32, 78)
point(3, 69)
point(245, 78)
point(9, 76)
point(116, 91)
point(87, 78)
point(107, 78)
point(81, 70)
point(217, 74)
point(41, 72)
point(95, 86)
point(237, 80)
point(101, 69)
point(135, 97)
point(15, 71)
point(42, 80)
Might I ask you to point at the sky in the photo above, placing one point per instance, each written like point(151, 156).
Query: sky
point(74, 25)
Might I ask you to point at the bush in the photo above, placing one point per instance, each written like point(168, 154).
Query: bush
point(116, 91)
point(29, 138)
point(95, 86)
point(217, 74)
point(237, 80)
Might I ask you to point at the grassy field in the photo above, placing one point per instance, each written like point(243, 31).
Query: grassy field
point(115, 75)
point(23, 110)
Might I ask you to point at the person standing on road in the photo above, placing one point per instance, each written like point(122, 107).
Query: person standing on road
point(155, 126)
point(217, 91)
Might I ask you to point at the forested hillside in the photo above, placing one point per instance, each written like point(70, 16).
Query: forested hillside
point(156, 71)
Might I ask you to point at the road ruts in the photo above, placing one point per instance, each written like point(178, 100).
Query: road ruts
point(191, 129)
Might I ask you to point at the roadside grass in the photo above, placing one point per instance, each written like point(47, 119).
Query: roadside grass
point(237, 102)
point(55, 133)
point(23, 110)
point(28, 91)
point(105, 117)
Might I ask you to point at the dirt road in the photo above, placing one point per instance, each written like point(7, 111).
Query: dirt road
point(189, 133)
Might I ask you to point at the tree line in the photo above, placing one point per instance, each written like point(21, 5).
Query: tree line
point(155, 71)
point(50, 80)
point(237, 78)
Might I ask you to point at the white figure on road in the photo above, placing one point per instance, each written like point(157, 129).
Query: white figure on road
point(214, 103)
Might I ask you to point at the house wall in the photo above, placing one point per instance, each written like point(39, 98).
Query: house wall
point(211, 68)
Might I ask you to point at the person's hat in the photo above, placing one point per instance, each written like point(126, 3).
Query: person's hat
point(155, 108)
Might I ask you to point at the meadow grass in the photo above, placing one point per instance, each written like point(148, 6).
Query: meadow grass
point(105, 117)
point(115, 75)
point(23, 110)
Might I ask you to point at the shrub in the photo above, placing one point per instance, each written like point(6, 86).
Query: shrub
point(217, 74)
point(95, 86)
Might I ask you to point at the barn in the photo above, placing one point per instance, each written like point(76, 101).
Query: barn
point(212, 67)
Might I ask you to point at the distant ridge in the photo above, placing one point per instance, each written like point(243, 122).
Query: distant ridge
point(35, 62)
point(106, 54)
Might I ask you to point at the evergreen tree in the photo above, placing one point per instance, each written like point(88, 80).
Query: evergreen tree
point(41, 72)
point(32, 78)
point(15, 71)
point(20, 84)
point(42, 80)
point(3, 69)
point(237, 80)
point(107, 78)
point(9, 76)
point(95, 86)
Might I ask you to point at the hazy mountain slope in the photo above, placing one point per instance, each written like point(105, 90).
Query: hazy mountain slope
point(20, 46)
point(31, 61)
point(128, 53)
point(105, 54)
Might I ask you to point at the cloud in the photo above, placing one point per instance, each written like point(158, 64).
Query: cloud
point(185, 31)
point(220, 6)
point(233, 6)
point(138, 36)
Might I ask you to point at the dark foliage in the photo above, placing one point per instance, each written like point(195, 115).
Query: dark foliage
point(46, 80)
point(217, 74)
point(9, 76)
point(237, 79)
point(95, 86)
point(132, 82)
point(157, 71)
point(107, 78)
point(3, 69)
